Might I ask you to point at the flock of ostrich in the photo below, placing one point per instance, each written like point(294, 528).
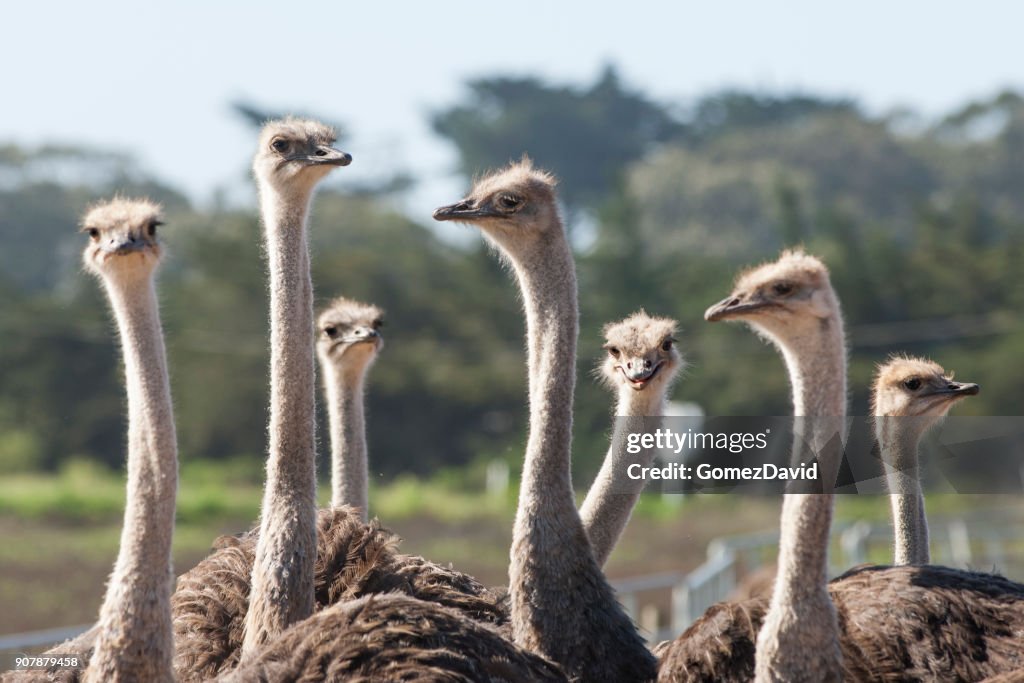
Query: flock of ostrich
point(326, 595)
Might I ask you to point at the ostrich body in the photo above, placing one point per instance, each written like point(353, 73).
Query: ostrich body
point(348, 341)
point(393, 638)
point(910, 395)
point(561, 605)
point(133, 634)
point(895, 624)
point(641, 363)
point(353, 559)
point(293, 156)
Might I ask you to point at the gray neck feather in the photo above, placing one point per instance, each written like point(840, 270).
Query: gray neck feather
point(910, 524)
point(282, 577)
point(349, 468)
point(135, 641)
point(613, 495)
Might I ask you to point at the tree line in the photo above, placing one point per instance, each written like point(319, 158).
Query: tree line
point(919, 220)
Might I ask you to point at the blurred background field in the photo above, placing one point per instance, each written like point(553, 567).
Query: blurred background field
point(60, 531)
point(919, 215)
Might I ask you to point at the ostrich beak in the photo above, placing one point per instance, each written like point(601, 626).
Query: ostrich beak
point(127, 245)
point(462, 211)
point(329, 156)
point(957, 389)
point(734, 306)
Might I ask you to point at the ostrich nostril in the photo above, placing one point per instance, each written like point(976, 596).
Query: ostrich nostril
point(321, 152)
point(647, 364)
point(629, 365)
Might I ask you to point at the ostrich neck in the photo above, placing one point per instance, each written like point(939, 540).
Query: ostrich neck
point(282, 579)
point(135, 638)
point(349, 469)
point(561, 605)
point(613, 495)
point(910, 524)
point(547, 279)
point(817, 369)
point(816, 364)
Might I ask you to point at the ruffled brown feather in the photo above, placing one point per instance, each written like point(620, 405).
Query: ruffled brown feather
point(393, 638)
point(896, 624)
point(354, 559)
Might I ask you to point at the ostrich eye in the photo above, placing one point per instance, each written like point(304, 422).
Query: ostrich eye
point(666, 345)
point(153, 226)
point(93, 233)
point(378, 323)
point(331, 331)
point(613, 352)
point(279, 145)
point(913, 383)
point(783, 288)
point(509, 202)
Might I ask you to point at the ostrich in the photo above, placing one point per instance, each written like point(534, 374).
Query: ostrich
point(292, 157)
point(641, 364)
point(561, 605)
point(348, 341)
point(132, 639)
point(791, 302)
point(251, 585)
point(874, 613)
point(910, 395)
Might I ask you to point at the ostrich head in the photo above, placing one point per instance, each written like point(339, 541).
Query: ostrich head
point(916, 388)
point(515, 206)
point(122, 237)
point(348, 334)
point(642, 353)
point(294, 154)
point(782, 299)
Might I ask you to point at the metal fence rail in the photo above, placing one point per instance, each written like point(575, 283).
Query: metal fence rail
point(32, 642)
point(998, 549)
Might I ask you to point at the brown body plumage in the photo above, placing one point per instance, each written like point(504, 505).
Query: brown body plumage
point(393, 638)
point(895, 623)
point(354, 559)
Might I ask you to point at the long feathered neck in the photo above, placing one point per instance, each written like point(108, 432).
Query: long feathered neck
point(613, 495)
point(134, 641)
point(349, 468)
point(282, 575)
point(547, 279)
point(562, 606)
point(898, 447)
point(801, 615)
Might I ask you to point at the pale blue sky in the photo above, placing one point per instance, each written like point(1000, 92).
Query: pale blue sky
point(156, 79)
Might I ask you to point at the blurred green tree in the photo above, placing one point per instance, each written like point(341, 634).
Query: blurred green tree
point(587, 135)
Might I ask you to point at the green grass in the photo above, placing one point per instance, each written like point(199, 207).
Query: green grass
point(83, 492)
